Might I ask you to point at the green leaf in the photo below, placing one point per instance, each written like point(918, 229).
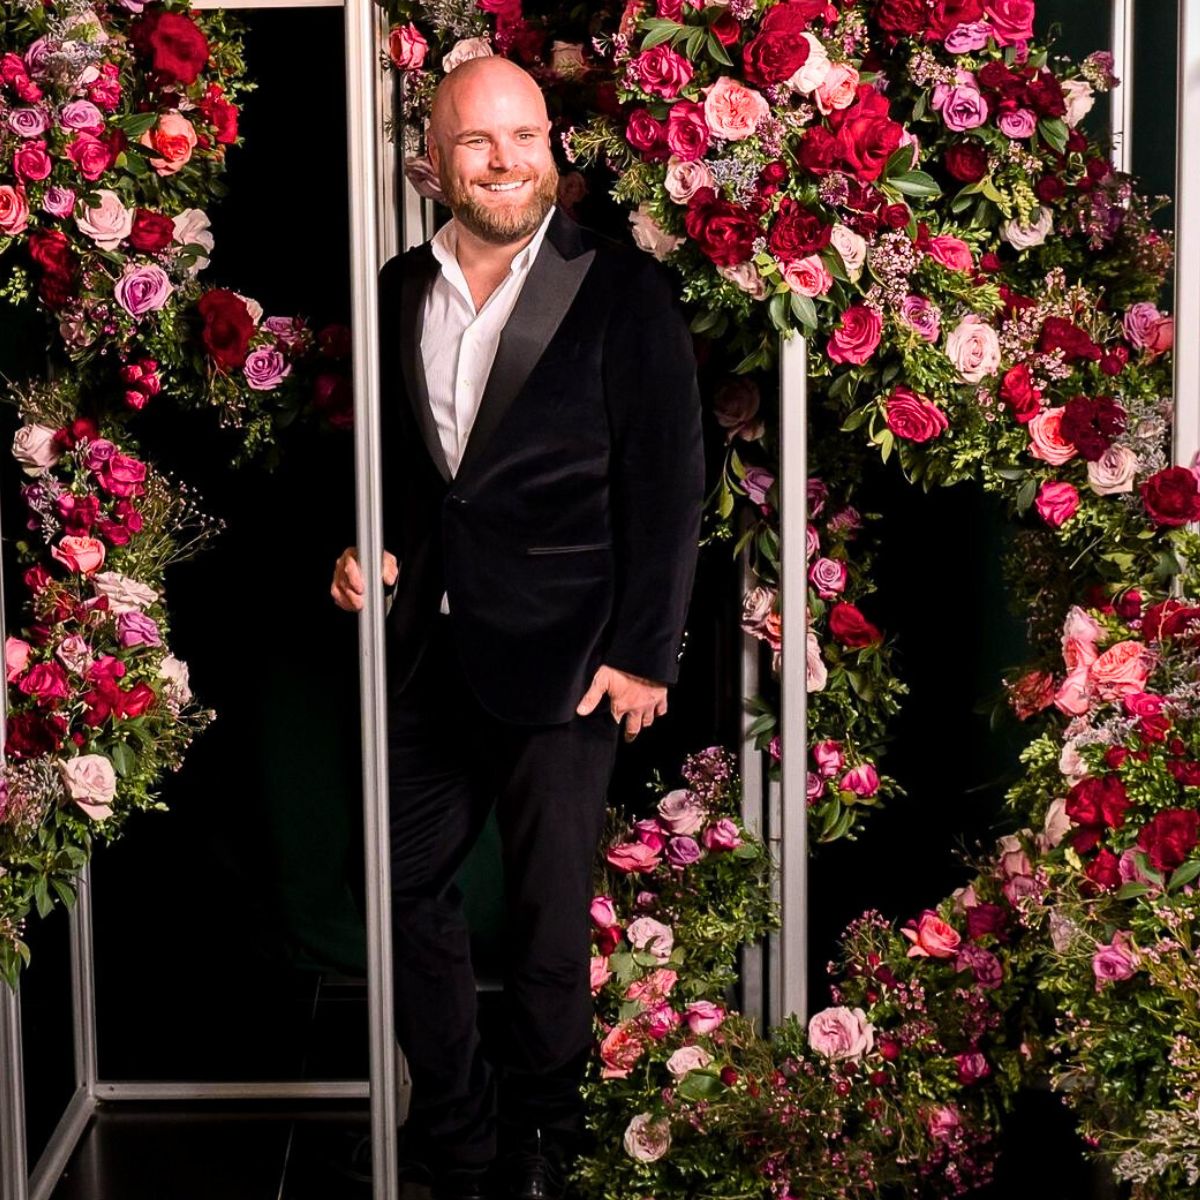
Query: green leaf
point(898, 162)
point(1131, 890)
point(702, 322)
point(804, 310)
point(717, 51)
point(660, 30)
point(916, 183)
point(1027, 493)
point(700, 1085)
point(777, 308)
point(123, 759)
point(1054, 133)
point(1184, 874)
point(855, 419)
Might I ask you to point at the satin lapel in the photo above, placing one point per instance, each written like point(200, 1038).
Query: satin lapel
point(412, 306)
point(546, 295)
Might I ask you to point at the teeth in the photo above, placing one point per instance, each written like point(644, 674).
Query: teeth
point(504, 187)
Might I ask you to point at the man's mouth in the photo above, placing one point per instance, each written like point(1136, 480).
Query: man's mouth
point(511, 185)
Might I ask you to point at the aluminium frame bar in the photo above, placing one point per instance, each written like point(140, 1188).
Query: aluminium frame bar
point(1187, 236)
point(1123, 29)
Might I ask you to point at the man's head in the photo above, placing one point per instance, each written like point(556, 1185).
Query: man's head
point(488, 126)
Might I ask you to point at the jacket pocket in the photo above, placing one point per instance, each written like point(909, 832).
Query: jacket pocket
point(568, 549)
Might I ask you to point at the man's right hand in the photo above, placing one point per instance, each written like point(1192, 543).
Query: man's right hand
point(347, 586)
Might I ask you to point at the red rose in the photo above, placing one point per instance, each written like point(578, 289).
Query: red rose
point(1104, 870)
point(851, 628)
point(228, 327)
point(30, 735)
point(1185, 773)
point(1090, 423)
point(867, 136)
point(221, 115)
point(723, 230)
point(1096, 804)
point(727, 28)
point(1049, 189)
point(1172, 497)
point(1169, 837)
point(333, 398)
point(819, 150)
point(151, 231)
point(135, 701)
point(1018, 392)
point(30, 160)
point(1168, 619)
point(797, 232)
point(967, 161)
point(855, 339)
point(173, 43)
point(780, 49)
point(913, 417)
point(51, 250)
point(1046, 96)
point(900, 17)
point(949, 14)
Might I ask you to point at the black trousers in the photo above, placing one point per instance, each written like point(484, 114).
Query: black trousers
point(449, 762)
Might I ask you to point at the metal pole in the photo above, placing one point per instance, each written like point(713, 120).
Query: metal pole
point(792, 829)
point(1122, 96)
point(362, 111)
point(83, 984)
point(750, 768)
point(1187, 236)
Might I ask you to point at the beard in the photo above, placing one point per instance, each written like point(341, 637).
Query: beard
point(503, 224)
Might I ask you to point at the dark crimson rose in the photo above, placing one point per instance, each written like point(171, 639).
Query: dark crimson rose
point(896, 216)
point(30, 735)
point(1153, 728)
point(151, 231)
point(1049, 189)
point(113, 532)
point(1169, 837)
point(1115, 360)
point(79, 429)
point(1172, 497)
point(52, 252)
point(607, 939)
point(723, 230)
point(949, 14)
point(36, 578)
point(333, 397)
point(1096, 804)
point(1018, 392)
point(901, 17)
point(1170, 618)
point(851, 628)
point(1129, 605)
point(1115, 756)
point(1104, 870)
point(774, 172)
point(797, 231)
point(79, 513)
point(727, 28)
point(967, 161)
point(996, 77)
point(780, 49)
point(1186, 773)
point(1060, 334)
point(867, 136)
point(913, 417)
point(1046, 96)
point(984, 919)
point(333, 341)
point(228, 327)
point(819, 150)
point(1090, 423)
point(173, 43)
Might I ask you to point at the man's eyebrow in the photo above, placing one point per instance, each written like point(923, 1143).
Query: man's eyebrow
point(487, 132)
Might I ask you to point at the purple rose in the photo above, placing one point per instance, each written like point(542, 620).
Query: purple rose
point(99, 452)
point(1118, 960)
point(288, 330)
point(265, 368)
point(35, 56)
point(137, 629)
point(972, 1067)
point(1018, 124)
point(986, 967)
point(758, 483)
point(683, 851)
point(815, 787)
point(923, 316)
point(81, 114)
point(828, 576)
point(963, 107)
point(28, 122)
point(59, 201)
point(962, 39)
point(143, 289)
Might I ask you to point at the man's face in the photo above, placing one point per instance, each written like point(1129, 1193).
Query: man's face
point(492, 155)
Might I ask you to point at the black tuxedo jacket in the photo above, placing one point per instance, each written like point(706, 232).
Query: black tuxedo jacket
point(568, 537)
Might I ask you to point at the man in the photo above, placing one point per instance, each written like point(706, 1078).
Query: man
point(543, 480)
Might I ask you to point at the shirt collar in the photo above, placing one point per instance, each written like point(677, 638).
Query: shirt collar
point(444, 245)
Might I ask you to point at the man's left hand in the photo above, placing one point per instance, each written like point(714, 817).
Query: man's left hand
point(636, 699)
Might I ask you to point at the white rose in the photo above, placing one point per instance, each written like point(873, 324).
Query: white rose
point(1023, 237)
point(851, 247)
point(33, 447)
point(651, 237)
point(1080, 97)
point(816, 66)
point(817, 675)
point(252, 306)
point(466, 49)
point(90, 781)
point(175, 672)
point(688, 1058)
point(1113, 471)
point(108, 223)
point(124, 594)
point(647, 1138)
point(745, 275)
point(1056, 826)
point(191, 229)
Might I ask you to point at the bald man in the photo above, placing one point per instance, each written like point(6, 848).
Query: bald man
point(543, 480)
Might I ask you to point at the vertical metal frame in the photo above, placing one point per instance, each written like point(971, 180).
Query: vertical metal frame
point(1187, 236)
point(1122, 96)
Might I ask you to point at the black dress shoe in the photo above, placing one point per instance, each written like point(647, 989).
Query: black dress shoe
point(535, 1170)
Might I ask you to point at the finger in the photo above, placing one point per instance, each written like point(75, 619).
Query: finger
point(592, 696)
point(633, 724)
point(354, 579)
point(660, 709)
point(391, 568)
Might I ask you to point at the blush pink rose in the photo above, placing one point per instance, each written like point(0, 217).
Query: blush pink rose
point(91, 782)
point(173, 139)
point(973, 347)
point(1046, 440)
point(808, 276)
point(1122, 668)
point(651, 937)
point(841, 1033)
point(931, 937)
point(680, 811)
point(83, 554)
point(703, 1016)
point(1080, 634)
point(732, 110)
point(599, 973)
point(1074, 696)
point(838, 89)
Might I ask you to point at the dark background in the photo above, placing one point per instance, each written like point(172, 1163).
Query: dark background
point(228, 940)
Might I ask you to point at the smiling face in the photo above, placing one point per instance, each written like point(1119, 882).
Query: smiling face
point(489, 141)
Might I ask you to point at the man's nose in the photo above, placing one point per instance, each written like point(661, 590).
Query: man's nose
point(504, 154)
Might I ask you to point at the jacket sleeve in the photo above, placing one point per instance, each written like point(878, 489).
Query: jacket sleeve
point(656, 474)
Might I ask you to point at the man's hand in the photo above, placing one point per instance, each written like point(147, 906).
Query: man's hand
point(636, 699)
point(347, 586)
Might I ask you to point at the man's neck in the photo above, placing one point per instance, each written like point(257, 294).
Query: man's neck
point(479, 257)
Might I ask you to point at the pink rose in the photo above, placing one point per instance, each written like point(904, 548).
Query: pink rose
point(83, 554)
point(407, 47)
point(652, 937)
point(1124, 667)
point(620, 1050)
point(603, 912)
point(838, 89)
point(1056, 503)
point(1080, 634)
point(808, 276)
point(90, 155)
point(951, 252)
point(841, 1033)
point(1116, 961)
point(650, 833)
point(1046, 440)
point(680, 811)
point(944, 1124)
point(632, 856)
point(972, 1067)
point(1011, 20)
point(1112, 473)
point(688, 1058)
point(974, 348)
point(16, 656)
point(91, 782)
point(652, 989)
point(1074, 695)
point(173, 139)
point(931, 937)
point(1147, 329)
point(828, 576)
point(703, 1016)
point(661, 1021)
point(828, 757)
point(661, 71)
point(600, 973)
point(14, 210)
point(722, 834)
point(685, 178)
point(1018, 124)
point(862, 780)
point(963, 107)
point(857, 336)
point(733, 111)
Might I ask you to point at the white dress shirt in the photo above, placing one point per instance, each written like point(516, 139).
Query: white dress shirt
point(458, 344)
